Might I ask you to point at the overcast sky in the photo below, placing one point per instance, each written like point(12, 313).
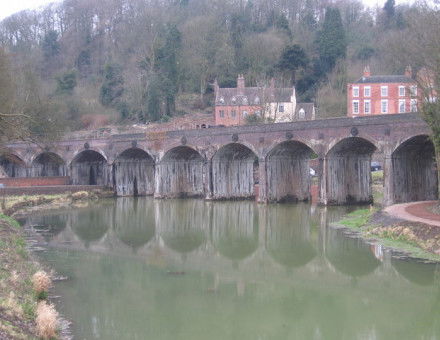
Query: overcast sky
point(8, 7)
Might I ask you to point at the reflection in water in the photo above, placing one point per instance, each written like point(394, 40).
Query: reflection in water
point(288, 235)
point(416, 272)
point(183, 227)
point(134, 221)
point(92, 224)
point(350, 256)
point(154, 292)
point(235, 229)
point(49, 225)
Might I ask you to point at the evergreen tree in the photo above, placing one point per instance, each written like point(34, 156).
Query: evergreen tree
point(112, 87)
point(153, 100)
point(389, 8)
point(50, 44)
point(66, 82)
point(331, 40)
point(292, 58)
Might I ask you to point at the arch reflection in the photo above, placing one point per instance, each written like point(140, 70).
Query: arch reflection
point(92, 224)
point(134, 221)
point(422, 274)
point(235, 229)
point(288, 235)
point(350, 256)
point(183, 224)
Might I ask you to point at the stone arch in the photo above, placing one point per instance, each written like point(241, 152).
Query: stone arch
point(288, 172)
point(234, 172)
point(347, 172)
point(133, 173)
point(12, 165)
point(413, 171)
point(47, 164)
point(89, 167)
point(180, 173)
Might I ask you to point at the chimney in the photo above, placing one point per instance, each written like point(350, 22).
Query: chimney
point(367, 72)
point(240, 82)
point(408, 71)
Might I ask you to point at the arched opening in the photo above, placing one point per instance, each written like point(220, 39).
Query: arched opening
point(234, 172)
point(48, 164)
point(413, 171)
point(180, 173)
point(348, 172)
point(288, 172)
point(12, 166)
point(89, 168)
point(133, 173)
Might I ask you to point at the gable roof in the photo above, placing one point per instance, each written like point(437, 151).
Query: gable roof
point(252, 96)
point(385, 79)
point(309, 109)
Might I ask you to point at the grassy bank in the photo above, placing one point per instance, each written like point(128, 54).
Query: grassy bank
point(416, 240)
point(17, 299)
point(24, 204)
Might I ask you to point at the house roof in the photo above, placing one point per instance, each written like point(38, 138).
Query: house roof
point(252, 96)
point(309, 110)
point(385, 79)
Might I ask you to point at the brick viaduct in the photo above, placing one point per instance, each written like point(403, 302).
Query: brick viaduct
point(269, 161)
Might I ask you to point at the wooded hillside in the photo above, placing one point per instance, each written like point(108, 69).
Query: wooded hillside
point(148, 60)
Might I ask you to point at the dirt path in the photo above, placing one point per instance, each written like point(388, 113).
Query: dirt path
point(415, 212)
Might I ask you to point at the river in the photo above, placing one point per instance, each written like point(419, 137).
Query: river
point(140, 268)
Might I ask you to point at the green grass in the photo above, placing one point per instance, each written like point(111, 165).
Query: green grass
point(377, 177)
point(359, 220)
point(356, 219)
point(10, 220)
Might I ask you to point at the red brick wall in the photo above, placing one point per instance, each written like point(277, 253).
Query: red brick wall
point(239, 118)
point(375, 98)
point(34, 181)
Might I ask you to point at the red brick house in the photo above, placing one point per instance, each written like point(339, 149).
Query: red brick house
point(233, 105)
point(382, 94)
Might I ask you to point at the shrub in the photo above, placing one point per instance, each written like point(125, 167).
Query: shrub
point(46, 320)
point(41, 282)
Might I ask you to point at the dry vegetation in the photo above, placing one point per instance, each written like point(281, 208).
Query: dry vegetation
point(17, 299)
point(47, 321)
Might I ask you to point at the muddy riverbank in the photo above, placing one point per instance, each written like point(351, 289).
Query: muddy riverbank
point(407, 238)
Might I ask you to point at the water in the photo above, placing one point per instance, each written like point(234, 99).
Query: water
point(189, 269)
